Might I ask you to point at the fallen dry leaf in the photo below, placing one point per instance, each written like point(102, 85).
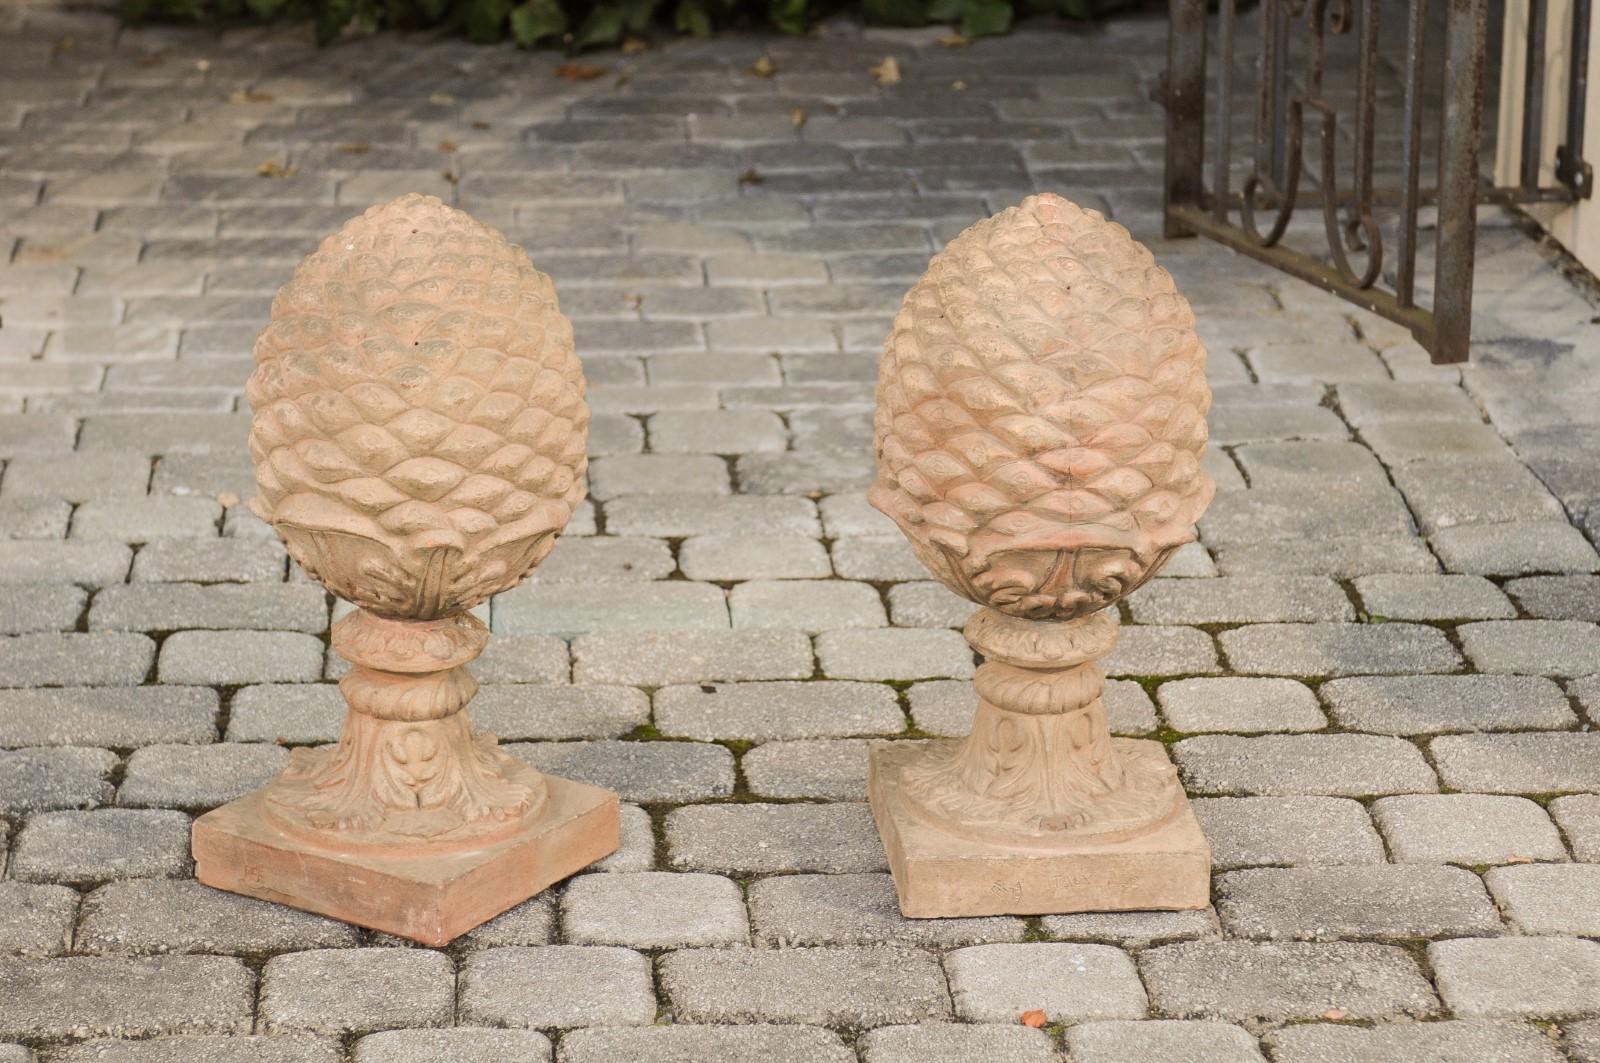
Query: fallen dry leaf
point(227, 499)
point(635, 45)
point(1034, 1018)
point(443, 99)
point(273, 168)
point(355, 147)
point(798, 116)
point(451, 176)
point(954, 40)
point(751, 176)
point(243, 96)
point(887, 72)
point(580, 71)
point(447, 146)
point(480, 125)
point(763, 67)
point(635, 300)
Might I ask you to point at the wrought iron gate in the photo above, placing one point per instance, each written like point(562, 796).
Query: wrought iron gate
point(1291, 105)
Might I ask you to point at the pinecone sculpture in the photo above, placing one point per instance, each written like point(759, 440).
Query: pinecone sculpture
point(419, 424)
point(1041, 413)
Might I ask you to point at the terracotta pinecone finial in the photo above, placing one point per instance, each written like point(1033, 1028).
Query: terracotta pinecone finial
point(1041, 413)
point(419, 429)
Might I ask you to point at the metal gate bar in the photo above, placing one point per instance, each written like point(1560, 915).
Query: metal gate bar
point(1274, 186)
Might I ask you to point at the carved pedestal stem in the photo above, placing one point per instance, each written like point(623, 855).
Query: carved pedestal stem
point(408, 767)
point(1040, 767)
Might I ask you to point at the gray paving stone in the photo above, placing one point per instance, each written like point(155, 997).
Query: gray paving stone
point(1579, 818)
point(77, 477)
point(842, 987)
point(1339, 765)
point(153, 915)
point(754, 839)
point(1548, 898)
point(1466, 829)
point(532, 922)
point(765, 711)
point(956, 1043)
point(805, 472)
point(75, 659)
point(568, 609)
point(239, 657)
point(197, 777)
point(557, 987)
point(289, 713)
point(680, 516)
point(210, 561)
point(1518, 977)
point(606, 559)
point(174, 606)
point(36, 920)
point(1338, 649)
point(650, 659)
point(116, 996)
point(1167, 1039)
point(143, 519)
point(213, 1048)
point(894, 653)
point(1516, 549)
point(519, 712)
point(1518, 763)
point(827, 769)
point(806, 605)
point(639, 771)
point(1400, 442)
point(344, 991)
point(523, 659)
point(118, 718)
point(1277, 981)
point(53, 777)
point(1373, 402)
point(1341, 557)
point(928, 604)
point(718, 431)
point(462, 1045)
point(81, 848)
point(1068, 982)
point(705, 1044)
point(1240, 600)
point(1317, 511)
point(625, 475)
point(946, 706)
point(28, 608)
point(1533, 647)
point(1449, 493)
point(752, 557)
point(1133, 929)
point(1294, 464)
point(1411, 705)
point(880, 559)
point(34, 518)
point(1444, 1042)
point(1161, 651)
point(1235, 704)
point(790, 911)
point(654, 910)
point(1558, 597)
point(1417, 597)
point(1251, 831)
point(1261, 424)
point(1371, 902)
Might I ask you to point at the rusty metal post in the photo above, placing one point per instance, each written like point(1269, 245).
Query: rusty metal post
point(1186, 112)
point(1465, 32)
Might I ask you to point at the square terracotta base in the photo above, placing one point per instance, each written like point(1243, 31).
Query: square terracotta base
point(939, 874)
point(431, 898)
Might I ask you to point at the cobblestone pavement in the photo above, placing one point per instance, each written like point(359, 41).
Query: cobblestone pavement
point(1377, 671)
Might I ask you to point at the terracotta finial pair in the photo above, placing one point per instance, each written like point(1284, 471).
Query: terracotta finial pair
point(419, 438)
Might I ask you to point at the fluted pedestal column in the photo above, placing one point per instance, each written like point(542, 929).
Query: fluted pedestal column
point(1039, 809)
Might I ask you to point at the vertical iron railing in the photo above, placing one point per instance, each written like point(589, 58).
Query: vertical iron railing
point(1279, 180)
